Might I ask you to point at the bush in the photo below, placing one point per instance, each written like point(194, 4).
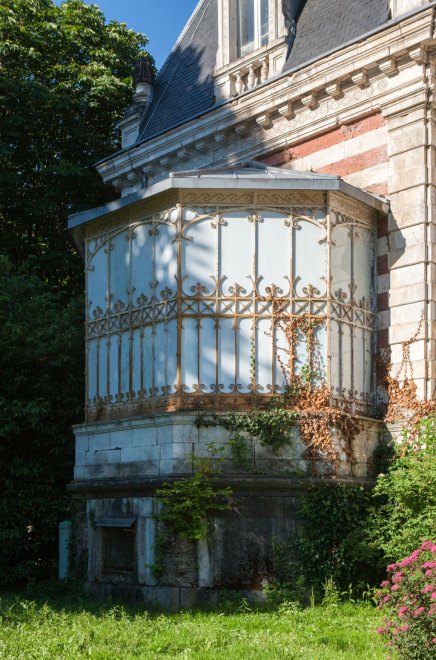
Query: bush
point(329, 542)
point(405, 511)
point(408, 598)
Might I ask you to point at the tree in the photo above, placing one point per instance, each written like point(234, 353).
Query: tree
point(65, 78)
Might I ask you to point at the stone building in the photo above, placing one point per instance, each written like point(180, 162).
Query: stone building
point(280, 167)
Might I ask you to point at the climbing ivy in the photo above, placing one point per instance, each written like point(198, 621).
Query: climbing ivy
point(187, 502)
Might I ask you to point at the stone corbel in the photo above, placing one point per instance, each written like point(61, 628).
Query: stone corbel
point(264, 120)
point(201, 146)
point(132, 177)
point(360, 78)
point(388, 66)
point(118, 183)
point(242, 129)
point(164, 161)
point(286, 110)
point(309, 100)
point(183, 154)
point(418, 54)
point(334, 90)
point(220, 137)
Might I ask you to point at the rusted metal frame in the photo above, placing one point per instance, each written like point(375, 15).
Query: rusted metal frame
point(329, 291)
point(217, 326)
point(131, 393)
point(179, 230)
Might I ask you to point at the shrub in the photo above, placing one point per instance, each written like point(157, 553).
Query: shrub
point(408, 598)
point(406, 495)
point(328, 542)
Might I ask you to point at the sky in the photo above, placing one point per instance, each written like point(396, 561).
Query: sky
point(161, 20)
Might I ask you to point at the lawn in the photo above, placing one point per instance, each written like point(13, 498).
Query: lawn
point(76, 627)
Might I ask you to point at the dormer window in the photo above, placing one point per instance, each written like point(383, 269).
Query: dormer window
point(253, 25)
point(253, 40)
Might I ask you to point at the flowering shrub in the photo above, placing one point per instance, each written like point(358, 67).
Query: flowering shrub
point(408, 598)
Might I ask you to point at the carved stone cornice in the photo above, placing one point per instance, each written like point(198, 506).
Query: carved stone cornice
point(340, 87)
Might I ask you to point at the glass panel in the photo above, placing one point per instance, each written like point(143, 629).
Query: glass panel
point(119, 260)
point(347, 343)
point(237, 252)
point(208, 354)
point(244, 336)
point(264, 22)
point(281, 360)
point(263, 355)
point(166, 260)
point(142, 261)
point(363, 263)
point(246, 21)
point(189, 354)
point(368, 363)
point(171, 356)
point(102, 367)
point(97, 282)
point(113, 366)
point(199, 256)
point(136, 361)
point(160, 354)
point(92, 369)
point(359, 362)
point(273, 253)
point(148, 359)
point(309, 257)
point(319, 359)
point(125, 362)
point(335, 348)
point(341, 260)
point(226, 354)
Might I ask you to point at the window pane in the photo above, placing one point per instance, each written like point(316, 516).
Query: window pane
point(263, 22)
point(246, 26)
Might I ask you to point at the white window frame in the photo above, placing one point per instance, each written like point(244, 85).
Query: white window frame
point(257, 43)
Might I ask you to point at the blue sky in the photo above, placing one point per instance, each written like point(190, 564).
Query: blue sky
point(161, 20)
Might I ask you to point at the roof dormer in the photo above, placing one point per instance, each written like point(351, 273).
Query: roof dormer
point(253, 41)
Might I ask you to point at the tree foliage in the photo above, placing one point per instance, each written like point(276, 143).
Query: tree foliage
point(65, 78)
point(406, 495)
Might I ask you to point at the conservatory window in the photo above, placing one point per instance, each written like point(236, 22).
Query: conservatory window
point(252, 25)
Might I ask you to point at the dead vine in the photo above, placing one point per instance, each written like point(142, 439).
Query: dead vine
point(403, 405)
point(320, 422)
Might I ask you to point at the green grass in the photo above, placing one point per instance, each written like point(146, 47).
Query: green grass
point(76, 627)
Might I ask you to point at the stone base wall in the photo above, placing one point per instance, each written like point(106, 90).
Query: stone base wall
point(171, 444)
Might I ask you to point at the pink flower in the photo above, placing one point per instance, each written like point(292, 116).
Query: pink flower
point(385, 583)
point(391, 567)
point(381, 631)
point(395, 587)
point(429, 564)
point(386, 599)
point(428, 573)
point(426, 545)
point(402, 612)
point(404, 563)
point(397, 577)
point(433, 596)
point(405, 628)
point(419, 611)
point(427, 589)
point(434, 640)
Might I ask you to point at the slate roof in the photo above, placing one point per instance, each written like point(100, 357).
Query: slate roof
point(185, 87)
